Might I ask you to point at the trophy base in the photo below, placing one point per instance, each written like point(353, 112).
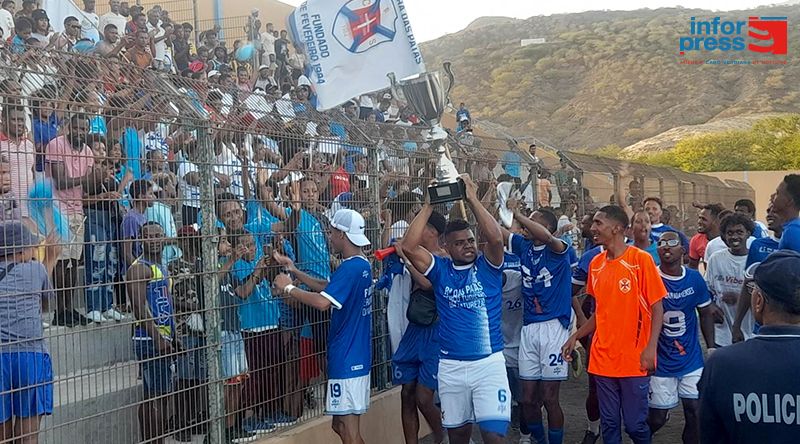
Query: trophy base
point(447, 192)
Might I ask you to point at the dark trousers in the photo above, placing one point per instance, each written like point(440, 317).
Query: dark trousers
point(263, 390)
point(628, 398)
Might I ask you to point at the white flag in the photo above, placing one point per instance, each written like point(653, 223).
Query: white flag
point(351, 46)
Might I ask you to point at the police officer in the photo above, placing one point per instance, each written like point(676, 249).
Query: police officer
point(750, 392)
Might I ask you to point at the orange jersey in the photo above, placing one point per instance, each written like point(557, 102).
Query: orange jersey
point(624, 289)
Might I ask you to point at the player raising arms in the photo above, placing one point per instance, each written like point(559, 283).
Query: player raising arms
point(547, 294)
point(472, 377)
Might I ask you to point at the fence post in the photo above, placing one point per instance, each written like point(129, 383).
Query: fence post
point(196, 20)
point(216, 407)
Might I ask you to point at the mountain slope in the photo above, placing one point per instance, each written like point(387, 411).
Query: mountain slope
point(608, 77)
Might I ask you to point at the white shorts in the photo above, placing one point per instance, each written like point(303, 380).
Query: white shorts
point(347, 396)
point(664, 392)
point(540, 352)
point(474, 391)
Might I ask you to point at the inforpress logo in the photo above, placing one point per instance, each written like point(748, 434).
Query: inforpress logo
point(762, 35)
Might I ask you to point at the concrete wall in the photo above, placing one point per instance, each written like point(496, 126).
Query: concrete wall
point(381, 425)
point(763, 182)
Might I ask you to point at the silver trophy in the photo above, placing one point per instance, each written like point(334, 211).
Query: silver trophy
point(428, 98)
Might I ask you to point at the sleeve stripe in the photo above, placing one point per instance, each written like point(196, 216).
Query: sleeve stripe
point(704, 304)
point(578, 282)
point(433, 263)
point(332, 299)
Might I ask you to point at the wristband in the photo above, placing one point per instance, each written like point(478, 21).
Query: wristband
point(287, 290)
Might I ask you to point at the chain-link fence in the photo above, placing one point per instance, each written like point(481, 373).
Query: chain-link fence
point(147, 217)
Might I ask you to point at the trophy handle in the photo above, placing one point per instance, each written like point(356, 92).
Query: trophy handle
point(447, 66)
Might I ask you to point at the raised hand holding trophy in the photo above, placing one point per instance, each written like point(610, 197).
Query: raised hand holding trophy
point(425, 94)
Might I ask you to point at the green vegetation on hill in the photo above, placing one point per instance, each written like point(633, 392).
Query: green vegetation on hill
point(608, 78)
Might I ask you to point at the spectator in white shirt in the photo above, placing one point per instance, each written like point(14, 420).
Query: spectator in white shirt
point(268, 44)
point(7, 17)
point(41, 27)
point(159, 36)
point(113, 17)
point(90, 22)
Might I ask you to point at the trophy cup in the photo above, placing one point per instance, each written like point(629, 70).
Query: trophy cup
point(426, 95)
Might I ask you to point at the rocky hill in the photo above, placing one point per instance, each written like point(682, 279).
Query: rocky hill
point(609, 77)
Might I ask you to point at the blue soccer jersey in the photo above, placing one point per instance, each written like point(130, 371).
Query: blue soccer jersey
point(790, 238)
point(511, 262)
point(581, 271)
point(546, 278)
point(760, 249)
point(679, 349)
point(312, 246)
point(469, 300)
point(350, 337)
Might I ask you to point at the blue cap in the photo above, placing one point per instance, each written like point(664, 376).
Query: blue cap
point(15, 237)
point(778, 277)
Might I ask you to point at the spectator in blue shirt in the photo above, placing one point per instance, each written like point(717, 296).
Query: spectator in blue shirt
point(786, 204)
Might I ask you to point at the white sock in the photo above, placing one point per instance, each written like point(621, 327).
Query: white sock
point(594, 427)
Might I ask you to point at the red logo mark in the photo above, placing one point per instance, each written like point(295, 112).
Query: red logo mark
point(764, 29)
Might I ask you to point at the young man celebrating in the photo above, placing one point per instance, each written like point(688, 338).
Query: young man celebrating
point(628, 290)
point(655, 208)
point(707, 229)
point(473, 386)
point(725, 276)
point(349, 292)
point(546, 276)
point(680, 358)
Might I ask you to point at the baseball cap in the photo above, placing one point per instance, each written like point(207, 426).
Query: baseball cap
point(15, 237)
point(352, 224)
point(437, 221)
point(778, 276)
point(263, 67)
point(213, 73)
point(303, 81)
point(387, 96)
point(39, 14)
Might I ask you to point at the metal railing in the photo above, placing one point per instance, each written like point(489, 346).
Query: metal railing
point(126, 175)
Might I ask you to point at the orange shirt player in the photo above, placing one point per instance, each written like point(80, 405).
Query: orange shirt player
point(628, 291)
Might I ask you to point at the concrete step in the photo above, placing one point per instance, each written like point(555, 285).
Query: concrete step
point(81, 348)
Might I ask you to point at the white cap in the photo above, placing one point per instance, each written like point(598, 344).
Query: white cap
point(463, 118)
point(263, 67)
point(213, 73)
point(303, 81)
point(352, 223)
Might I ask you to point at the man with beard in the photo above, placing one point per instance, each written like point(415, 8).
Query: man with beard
point(69, 162)
point(707, 229)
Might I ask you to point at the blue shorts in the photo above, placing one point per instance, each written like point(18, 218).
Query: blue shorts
point(234, 358)
point(192, 361)
point(157, 373)
point(26, 385)
point(417, 357)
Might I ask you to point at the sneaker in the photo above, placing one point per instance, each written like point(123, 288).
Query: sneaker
point(525, 439)
point(282, 420)
point(97, 317)
point(253, 425)
point(63, 319)
point(79, 318)
point(590, 438)
point(237, 435)
point(114, 315)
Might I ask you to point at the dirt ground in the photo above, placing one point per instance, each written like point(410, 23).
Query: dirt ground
point(573, 396)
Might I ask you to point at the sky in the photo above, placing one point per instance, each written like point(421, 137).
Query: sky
point(431, 19)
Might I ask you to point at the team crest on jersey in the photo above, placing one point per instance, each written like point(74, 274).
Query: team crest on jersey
point(624, 285)
point(364, 24)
